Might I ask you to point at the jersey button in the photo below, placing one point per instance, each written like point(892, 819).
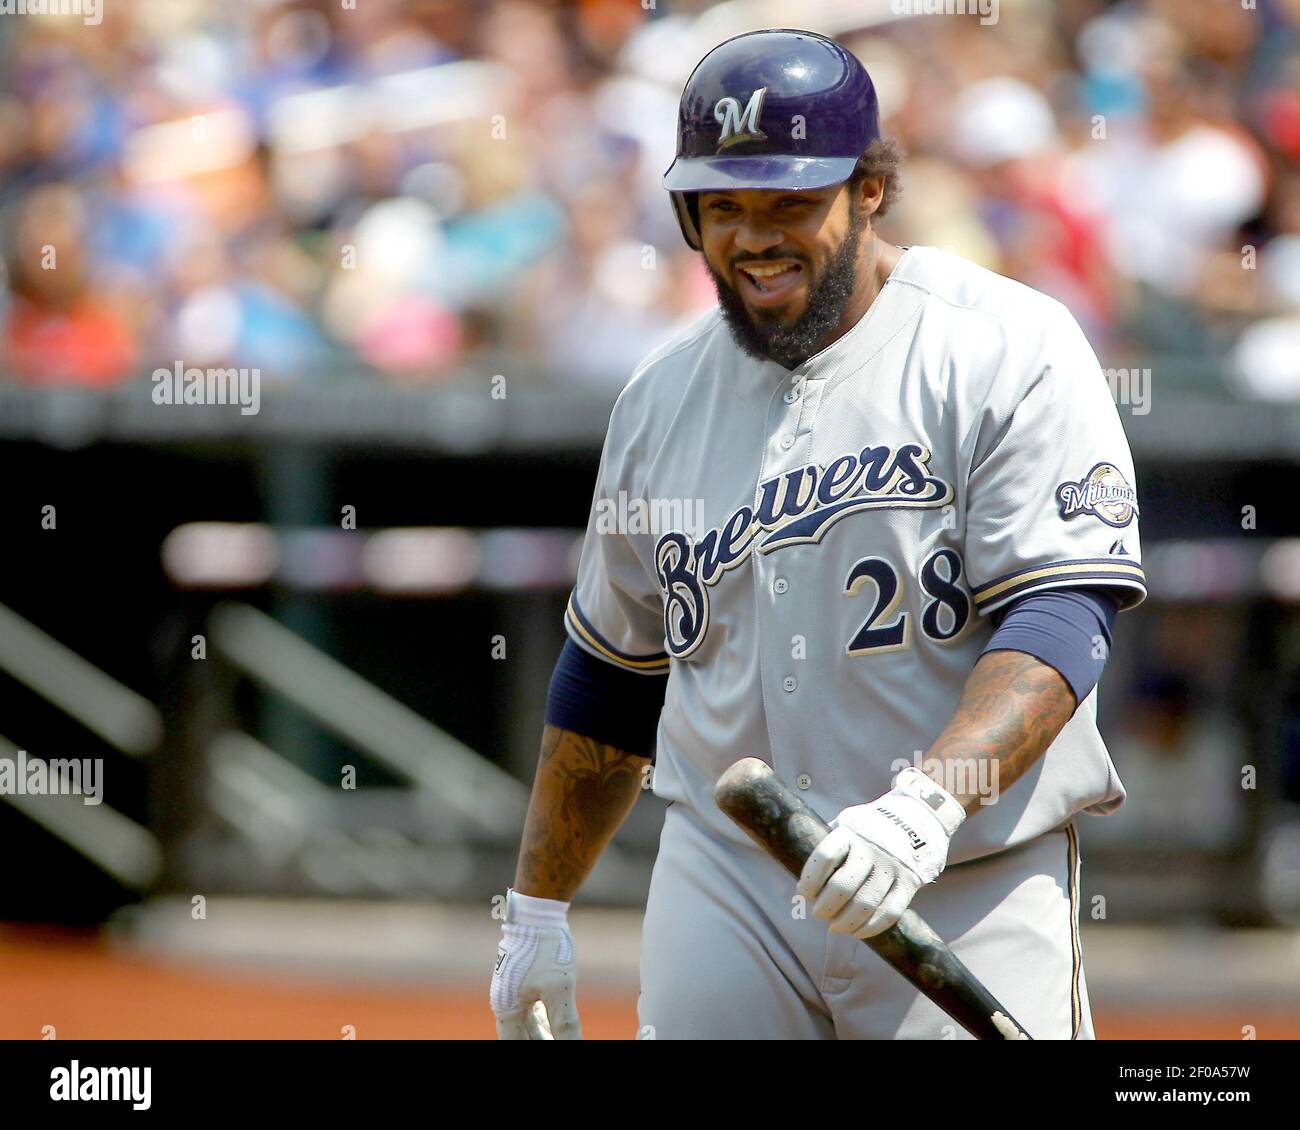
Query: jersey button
point(787, 442)
point(780, 585)
point(791, 396)
point(789, 683)
point(803, 781)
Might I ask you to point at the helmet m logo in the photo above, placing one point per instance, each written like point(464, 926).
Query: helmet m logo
point(737, 124)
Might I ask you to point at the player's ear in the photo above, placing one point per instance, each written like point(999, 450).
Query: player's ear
point(868, 194)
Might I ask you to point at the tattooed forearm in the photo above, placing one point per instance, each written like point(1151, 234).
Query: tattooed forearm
point(582, 793)
point(1011, 710)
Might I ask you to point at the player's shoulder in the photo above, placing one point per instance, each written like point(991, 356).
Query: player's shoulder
point(971, 293)
point(1009, 334)
point(677, 356)
point(664, 373)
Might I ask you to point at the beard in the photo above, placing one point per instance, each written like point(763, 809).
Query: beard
point(768, 339)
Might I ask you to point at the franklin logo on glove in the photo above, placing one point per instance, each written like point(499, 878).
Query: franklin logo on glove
point(864, 874)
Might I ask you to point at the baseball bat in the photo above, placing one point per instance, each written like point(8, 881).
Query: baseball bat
point(788, 830)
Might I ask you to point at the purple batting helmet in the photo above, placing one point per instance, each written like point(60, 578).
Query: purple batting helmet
point(770, 109)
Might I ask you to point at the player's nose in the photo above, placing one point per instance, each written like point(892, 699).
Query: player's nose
point(756, 235)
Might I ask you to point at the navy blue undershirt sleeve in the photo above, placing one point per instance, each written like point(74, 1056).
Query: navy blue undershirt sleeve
point(1069, 629)
point(599, 700)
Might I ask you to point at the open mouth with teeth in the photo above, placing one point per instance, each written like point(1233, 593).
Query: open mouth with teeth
point(770, 283)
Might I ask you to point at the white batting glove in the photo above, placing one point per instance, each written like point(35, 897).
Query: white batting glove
point(534, 984)
point(863, 875)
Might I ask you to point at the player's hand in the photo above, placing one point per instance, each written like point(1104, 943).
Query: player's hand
point(863, 875)
point(534, 985)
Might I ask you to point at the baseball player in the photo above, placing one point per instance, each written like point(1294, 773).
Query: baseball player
point(906, 522)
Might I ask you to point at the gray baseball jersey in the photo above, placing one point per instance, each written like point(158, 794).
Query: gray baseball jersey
point(811, 555)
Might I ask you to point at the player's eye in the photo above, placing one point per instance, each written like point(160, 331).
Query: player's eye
point(720, 206)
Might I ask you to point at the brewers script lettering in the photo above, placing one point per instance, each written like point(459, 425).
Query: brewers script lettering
point(794, 508)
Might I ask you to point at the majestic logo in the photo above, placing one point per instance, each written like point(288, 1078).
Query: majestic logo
point(737, 124)
point(1103, 492)
point(793, 508)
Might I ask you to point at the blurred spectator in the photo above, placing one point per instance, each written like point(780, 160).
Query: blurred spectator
point(59, 330)
point(397, 186)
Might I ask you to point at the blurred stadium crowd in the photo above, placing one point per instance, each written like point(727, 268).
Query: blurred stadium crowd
point(403, 185)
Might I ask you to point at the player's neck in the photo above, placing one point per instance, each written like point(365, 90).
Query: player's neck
point(878, 262)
